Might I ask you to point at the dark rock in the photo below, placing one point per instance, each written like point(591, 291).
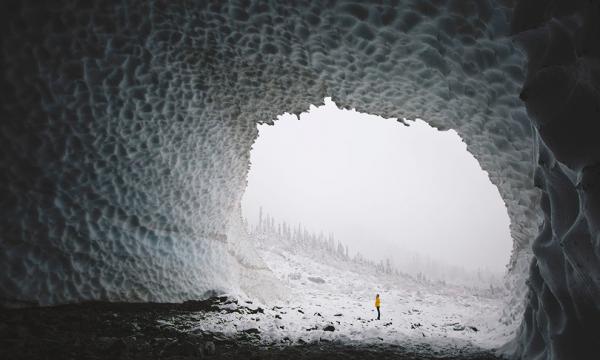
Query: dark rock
point(117, 348)
point(211, 304)
point(4, 331)
point(180, 348)
point(106, 342)
point(22, 332)
point(209, 348)
point(329, 328)
point(316, 279)
point(161, 340)
point(251, 331)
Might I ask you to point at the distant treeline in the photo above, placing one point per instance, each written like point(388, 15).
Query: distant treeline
point(414, 266)
point(299, 238)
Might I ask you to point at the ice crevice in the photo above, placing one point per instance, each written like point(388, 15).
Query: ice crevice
point(127, 128)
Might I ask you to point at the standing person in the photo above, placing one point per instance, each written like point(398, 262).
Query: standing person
point(377, 306)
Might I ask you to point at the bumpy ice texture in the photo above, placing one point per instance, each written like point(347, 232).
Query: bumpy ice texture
point(562, 94)
point(127, 129)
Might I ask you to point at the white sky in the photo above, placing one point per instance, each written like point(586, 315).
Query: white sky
point(379, 187)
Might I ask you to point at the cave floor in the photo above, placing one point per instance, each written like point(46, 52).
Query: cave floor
point(101, 330)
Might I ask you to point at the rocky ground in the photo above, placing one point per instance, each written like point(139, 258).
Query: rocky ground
point(139, 331)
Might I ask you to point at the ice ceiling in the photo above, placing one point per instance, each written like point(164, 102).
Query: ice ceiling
point(127, 126)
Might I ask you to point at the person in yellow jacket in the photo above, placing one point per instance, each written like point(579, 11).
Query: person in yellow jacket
point(378, 305)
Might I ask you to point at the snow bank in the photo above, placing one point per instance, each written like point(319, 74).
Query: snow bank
point(340, 308)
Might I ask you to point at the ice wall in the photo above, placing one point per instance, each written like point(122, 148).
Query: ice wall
point(562, 94)
point(127, 127)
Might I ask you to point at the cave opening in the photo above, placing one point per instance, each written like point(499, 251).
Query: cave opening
point(342, 205)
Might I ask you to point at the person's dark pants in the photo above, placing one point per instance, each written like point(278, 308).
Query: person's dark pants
point(378, 313)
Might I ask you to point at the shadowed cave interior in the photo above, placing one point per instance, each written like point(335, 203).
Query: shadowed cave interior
point(127, 129)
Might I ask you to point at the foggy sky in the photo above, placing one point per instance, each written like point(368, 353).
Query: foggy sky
point(379, 187)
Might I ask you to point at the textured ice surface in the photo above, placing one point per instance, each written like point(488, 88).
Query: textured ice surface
point(131, 123)
point(127, 126)
point(562, 94)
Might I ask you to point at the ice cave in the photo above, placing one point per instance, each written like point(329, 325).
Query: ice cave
point(127, 128)
point(379, 188)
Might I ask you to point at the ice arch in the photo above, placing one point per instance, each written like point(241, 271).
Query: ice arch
point(126, 130)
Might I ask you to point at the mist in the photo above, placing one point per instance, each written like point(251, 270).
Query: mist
point(383, 189)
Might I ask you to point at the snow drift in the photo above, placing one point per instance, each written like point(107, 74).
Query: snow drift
point(127, 128)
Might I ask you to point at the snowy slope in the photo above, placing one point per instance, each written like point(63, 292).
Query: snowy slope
point(334, 293)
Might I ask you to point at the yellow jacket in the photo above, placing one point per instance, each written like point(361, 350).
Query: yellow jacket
point(377, 302)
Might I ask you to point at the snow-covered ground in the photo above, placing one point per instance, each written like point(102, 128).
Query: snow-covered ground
point(325, 292)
